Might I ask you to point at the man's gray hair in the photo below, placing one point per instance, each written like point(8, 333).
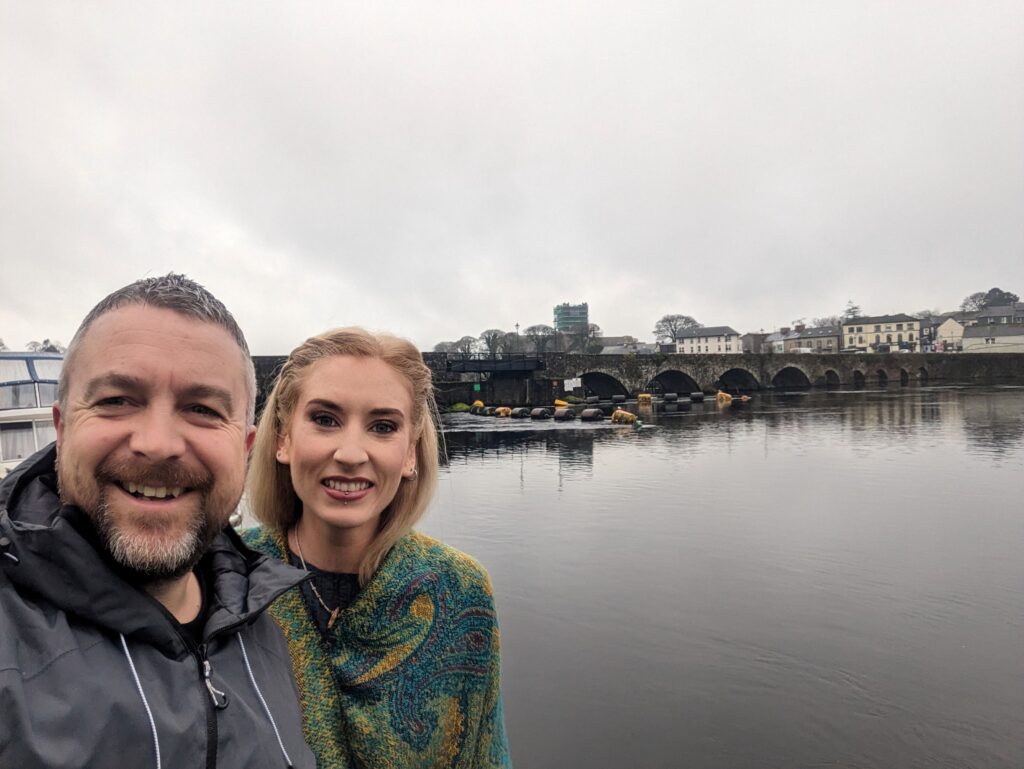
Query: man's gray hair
point(169, 292)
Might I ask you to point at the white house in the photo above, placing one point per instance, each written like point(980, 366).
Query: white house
point(995, 338)
point(711, 340)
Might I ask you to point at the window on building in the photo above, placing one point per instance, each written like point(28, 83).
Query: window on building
point(17, 441)
point(899, 326)
point(910, 337)
point(878, 328)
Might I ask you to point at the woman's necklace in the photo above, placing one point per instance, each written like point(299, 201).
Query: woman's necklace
point(333, 612)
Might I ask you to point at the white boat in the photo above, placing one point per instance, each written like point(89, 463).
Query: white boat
point(28, 389)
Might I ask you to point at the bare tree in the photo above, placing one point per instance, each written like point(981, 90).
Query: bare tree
point(540, 336)
point(444, 347)
point(491, 339)
point(991, 298)
point(826, 320)
point(46, 345)
point(509, 342)
point(466, 345)
point(671, 327)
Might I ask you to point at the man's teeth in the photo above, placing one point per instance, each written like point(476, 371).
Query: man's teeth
point(152, 492)
point(345, 486)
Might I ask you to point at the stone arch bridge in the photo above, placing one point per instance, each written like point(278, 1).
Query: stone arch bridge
point(531, 378)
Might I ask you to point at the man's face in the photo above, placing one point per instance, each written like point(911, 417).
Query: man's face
point(152, 440)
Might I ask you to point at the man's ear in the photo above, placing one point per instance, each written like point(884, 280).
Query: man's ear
point(58, 424)
point(250, 438)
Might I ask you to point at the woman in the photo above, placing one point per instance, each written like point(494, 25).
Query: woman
point(394, 640)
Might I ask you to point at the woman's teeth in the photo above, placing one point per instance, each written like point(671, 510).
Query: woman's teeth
point(152, 492)
point(347, 486)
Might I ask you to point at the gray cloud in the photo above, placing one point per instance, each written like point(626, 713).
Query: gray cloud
point(437, 169)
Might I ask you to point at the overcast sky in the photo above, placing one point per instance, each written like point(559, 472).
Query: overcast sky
point(439, 168)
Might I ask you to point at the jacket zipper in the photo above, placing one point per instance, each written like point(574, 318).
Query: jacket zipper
point(214, 700)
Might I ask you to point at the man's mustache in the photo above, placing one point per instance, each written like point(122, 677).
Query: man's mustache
point(142, 473)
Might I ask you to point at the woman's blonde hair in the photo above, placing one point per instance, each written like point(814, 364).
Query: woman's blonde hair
point(270, 493)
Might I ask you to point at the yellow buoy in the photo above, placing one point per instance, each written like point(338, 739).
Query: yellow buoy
point(643, 399)
point(560, 404)
point(503, 411)
point(723, 397)
point(620, 417)
point(478, 404)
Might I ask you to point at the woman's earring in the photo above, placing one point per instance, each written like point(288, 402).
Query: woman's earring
point(414, 475)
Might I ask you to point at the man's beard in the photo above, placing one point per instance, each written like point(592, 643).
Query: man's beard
point(151, 557)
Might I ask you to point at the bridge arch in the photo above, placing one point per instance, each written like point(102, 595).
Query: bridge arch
point(858, 378)
point(603, 385)
point(673, 381)
point(922, 375)
point(791, 376)
point(883, 377)
point(736, 380)
point(904, 377)
point(828, 378)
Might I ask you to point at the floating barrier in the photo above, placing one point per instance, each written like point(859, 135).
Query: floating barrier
point(564, 415)
point(540, 414)
point(697, 397)
point(520, 412)
point(593, 399)
point(670, 397)
point(591, 415)
point(488, 411)
point(618, 399)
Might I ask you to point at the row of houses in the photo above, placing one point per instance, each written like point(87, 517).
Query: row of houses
point(993, 329)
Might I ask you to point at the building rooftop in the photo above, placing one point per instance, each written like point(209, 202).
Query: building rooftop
point(815, 333)
point(898, 318)
point(1000, 329)
point(693, 333)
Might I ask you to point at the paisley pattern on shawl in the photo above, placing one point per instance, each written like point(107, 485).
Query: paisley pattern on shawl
point(409, 674)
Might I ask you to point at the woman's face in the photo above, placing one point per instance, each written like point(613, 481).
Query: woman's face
point(350, 441)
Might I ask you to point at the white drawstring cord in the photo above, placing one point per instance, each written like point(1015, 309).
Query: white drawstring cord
point(145, 702)
point(263, 702)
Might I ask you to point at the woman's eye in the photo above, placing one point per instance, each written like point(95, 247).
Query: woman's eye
point(384, 427)
point(323, 420)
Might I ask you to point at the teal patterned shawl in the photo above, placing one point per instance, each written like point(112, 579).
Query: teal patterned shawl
point(408, 677)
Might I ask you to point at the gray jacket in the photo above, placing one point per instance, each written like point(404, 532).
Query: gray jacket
point(95, 673)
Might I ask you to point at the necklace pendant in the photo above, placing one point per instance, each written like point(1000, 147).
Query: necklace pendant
point(334, 617)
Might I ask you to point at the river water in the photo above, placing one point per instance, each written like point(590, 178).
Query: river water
point(824, 579)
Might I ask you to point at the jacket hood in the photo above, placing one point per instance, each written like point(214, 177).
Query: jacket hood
point(60, 559)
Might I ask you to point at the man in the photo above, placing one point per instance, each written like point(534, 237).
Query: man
point(132, 630)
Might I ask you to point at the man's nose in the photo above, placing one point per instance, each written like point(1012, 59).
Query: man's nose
point(157, 435)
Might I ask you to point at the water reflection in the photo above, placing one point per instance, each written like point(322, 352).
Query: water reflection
point(814, 579)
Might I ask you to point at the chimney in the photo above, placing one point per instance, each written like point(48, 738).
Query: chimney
point(800, 327)
point(784, 330)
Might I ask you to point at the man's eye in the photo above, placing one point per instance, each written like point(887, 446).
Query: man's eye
point(112, 402)
point(384, 427)
point(323, 420)
point(204, 411)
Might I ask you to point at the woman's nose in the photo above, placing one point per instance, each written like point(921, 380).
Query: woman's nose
point(351, 449)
